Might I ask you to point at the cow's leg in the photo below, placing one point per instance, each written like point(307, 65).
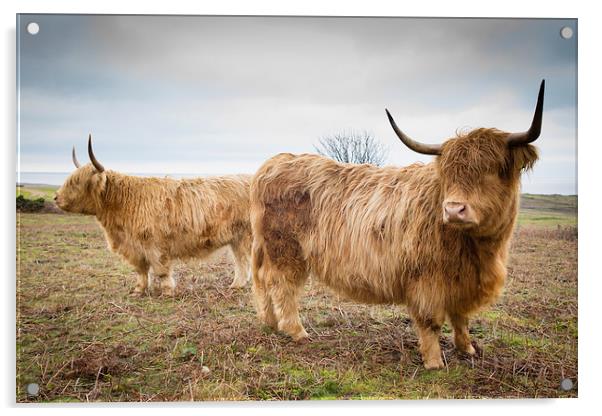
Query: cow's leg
point(285, 290)
point(142, 268)
point(428, 327)
point(241, 250)
point(263, 299)
point(461, 336)
point(163, 272)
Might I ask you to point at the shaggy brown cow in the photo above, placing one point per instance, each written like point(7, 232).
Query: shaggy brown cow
point(151, 222)
point(434, 237)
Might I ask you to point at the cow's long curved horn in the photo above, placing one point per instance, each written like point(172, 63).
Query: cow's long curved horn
point(517, 139)
point(96, 163)
point(426, 149)
point(74, 158)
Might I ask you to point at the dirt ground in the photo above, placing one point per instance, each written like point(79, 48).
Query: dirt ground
point(81, 337)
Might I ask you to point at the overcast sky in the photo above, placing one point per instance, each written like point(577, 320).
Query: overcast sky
point(214, 95)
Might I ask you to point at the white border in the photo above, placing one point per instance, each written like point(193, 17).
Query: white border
point(589, 189)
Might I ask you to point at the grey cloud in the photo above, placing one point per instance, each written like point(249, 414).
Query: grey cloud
point(236, 90)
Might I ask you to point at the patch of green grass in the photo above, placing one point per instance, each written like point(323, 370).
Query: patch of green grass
point(513, 339)
point(326, 384)
point(545, 219)
point(569, 326)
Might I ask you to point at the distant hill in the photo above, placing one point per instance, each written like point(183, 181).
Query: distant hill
point(548, 210)
point(554, 203)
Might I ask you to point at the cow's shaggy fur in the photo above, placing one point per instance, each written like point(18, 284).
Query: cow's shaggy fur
point(376, 235)
point(151, 222)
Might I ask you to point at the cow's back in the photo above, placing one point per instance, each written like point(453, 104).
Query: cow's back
point(178, 219)
point(348, 225)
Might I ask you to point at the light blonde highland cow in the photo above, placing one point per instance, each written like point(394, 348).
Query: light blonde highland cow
point(151, 222)
point(434, 237)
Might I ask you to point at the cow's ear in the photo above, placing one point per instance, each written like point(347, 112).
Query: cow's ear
point(522, 158)
point(98, 182)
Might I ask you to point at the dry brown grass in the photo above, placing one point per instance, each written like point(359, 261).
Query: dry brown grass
point(82, 338)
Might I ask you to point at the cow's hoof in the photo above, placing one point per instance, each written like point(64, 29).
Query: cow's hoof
point(433, 364)
point(466, 349)
point(272, 323)
point(470, 350)
point(301, 337)
point(167, 293)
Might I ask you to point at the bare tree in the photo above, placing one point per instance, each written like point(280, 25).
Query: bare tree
point(353, 147)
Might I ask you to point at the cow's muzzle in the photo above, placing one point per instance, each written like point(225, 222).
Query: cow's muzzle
point(458, 213)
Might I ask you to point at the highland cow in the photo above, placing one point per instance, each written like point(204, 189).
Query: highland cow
point(151, 222)
point(434, 236)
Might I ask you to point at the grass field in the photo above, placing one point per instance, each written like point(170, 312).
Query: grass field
point(81, 337)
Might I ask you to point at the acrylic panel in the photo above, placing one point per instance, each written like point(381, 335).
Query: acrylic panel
point(219, 208)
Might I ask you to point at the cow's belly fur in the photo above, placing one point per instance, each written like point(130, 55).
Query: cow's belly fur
point(156, 251)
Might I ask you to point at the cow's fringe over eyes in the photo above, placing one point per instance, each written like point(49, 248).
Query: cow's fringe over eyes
point(471, 156)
